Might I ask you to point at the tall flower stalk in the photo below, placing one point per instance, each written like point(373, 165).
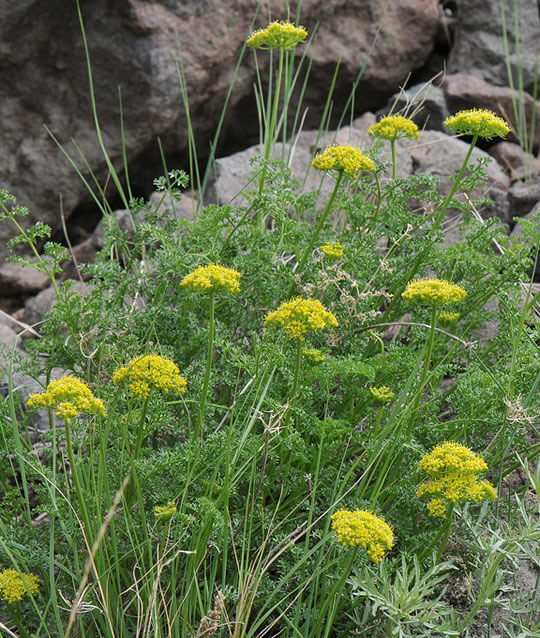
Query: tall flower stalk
point(283, 37)
point(393, 128)
point(453, 477)
point(479, 124)
point(210, 279)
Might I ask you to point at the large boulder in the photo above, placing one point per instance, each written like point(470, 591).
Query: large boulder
point(135, 47)
point(479, 47)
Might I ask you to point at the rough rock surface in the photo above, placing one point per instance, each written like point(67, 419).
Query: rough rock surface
point(134, 47)
point(479, 46)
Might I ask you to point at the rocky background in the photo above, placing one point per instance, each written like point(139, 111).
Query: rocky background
point(135, 46)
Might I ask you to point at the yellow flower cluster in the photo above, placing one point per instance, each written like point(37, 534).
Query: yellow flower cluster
point(69, 396)
point(213, 277)
point(433, 292)
point(277, 35)
point(453, 471)
point(12, 585)
point(479, 122)
point(449, 317)
point(313, 356)
point(382, 394)
point(164, 513)
point(394, 127)
point(299, 316)
point(150, 371)
point(334, 251)
point(365, 529)
point(346, 158)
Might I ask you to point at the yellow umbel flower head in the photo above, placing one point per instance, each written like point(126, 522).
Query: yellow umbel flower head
point(212, 278)
point(452, 457)
point(433, 292)
point(394, 127)
point(453, 471)
point(70, 396)
point(334, 251)
point(277, 35)
point(382, 394)
point(164, 513)
point(12, 585)
point(313, 356)
point(478, 122)
point(365, 529)
point(346, 158)
point(299, 316)
point(150, 371)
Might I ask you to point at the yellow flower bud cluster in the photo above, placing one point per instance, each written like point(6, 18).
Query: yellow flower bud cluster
point(433, 292)
point(150, 371)
point(382, 394)
point(70, 396)
point(334, 251)
point(365, 529)
point(212, 277)
point(478, 122)
point(277, 35)
point(12, 585)
point(453, 471)
point(299, 316)
point(394, 127)
point(164, 513)
point(313, 356)
point(449, 317)
point(346, 158)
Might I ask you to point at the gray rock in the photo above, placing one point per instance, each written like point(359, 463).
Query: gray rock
point(479, 47)
point(523, 196)
point(134, 45)
point(16, 279)
point(515, 160)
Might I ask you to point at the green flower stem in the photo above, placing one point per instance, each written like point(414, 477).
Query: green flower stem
point(77, 484)
point(14, 611)
point(140, 431)
point(269, 137)
point(457, 181)
point(209, 357)
point(314, 633)
point(445, 533)
point(379, 197)
point(378, 423)
point(297, 368)
point(442, 536)
point(426, 367)
point(393, 147)
point(318, 227)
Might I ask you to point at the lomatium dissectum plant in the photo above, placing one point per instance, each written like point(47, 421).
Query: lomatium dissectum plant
point(453, 477)
point(210, 279)
point(284, 37)
point(13, 586)
point(435, 293)
point(332, 251)
point(297, 318)
point(144, 373)
point(479, 124)
point(393, 128)
point(347, 161)
point(70, 396)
